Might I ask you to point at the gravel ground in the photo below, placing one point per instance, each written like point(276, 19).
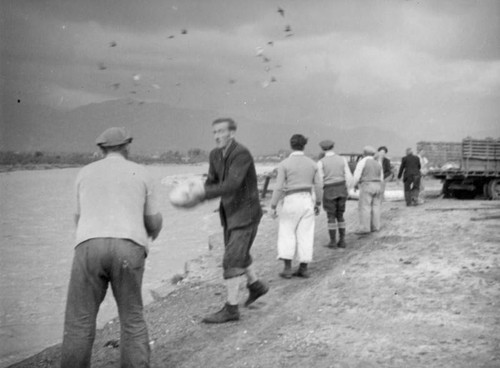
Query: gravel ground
point(422, 292)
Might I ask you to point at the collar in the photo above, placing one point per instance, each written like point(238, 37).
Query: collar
point(225, 150)
point(297, 153)
point(114, 155)
point(329, 153)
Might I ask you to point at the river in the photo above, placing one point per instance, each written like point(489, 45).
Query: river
point(37, 240)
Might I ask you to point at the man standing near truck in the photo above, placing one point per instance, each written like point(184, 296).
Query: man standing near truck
point(410, 171)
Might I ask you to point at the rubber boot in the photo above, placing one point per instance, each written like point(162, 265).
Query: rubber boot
point(256, 290)
point(333, 239)
point(287, 271)
point(302, 271)
point(341, 243)
point(227, 313)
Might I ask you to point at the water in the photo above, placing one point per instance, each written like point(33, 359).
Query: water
point(37, 240)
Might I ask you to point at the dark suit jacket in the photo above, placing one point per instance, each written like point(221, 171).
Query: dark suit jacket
point(410, 165)
point(386, 167)
point(234, 179)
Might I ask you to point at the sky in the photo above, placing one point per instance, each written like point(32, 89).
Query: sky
point(426, 68)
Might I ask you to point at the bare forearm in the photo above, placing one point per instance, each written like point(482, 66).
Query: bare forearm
point(153, 224)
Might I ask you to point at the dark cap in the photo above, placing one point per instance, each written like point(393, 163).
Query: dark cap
point(326, 145)
point(113, 137)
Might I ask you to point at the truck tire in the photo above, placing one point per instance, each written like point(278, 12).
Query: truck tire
point(447, 193)
point(494, 189)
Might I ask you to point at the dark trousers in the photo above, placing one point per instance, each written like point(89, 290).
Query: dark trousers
point(412, 188)
point(237, 244)
point(335, 209)
point(334, 202)
point(96, 263)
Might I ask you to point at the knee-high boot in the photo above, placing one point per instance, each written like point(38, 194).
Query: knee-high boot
point(333, 238)
point(341, 243)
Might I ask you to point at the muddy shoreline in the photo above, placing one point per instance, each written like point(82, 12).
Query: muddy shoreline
point(424, 291)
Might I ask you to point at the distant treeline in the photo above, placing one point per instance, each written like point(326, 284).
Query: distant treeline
point(11, 160)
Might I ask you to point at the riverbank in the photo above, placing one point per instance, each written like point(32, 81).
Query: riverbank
point(424, 291)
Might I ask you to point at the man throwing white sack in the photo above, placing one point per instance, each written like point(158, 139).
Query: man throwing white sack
point(232, 176)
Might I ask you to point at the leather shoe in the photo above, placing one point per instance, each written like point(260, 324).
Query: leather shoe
point(227, 313)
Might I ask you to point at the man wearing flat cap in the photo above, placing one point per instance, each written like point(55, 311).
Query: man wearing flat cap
point(337, 177)
point(368, 176)
point(116, 217)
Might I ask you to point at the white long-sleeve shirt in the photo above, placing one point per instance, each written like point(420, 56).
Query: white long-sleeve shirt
point(347, 175)
point(358, 172)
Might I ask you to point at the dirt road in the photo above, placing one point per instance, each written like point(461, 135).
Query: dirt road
point(422, 292)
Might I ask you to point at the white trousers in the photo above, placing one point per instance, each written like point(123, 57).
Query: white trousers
point(296, 228)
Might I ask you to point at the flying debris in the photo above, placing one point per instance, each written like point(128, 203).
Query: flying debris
point(141, 102)
point(270, 43)
point(184, 31)
point(266, 59)
point(289, 35)
point(288, 28)
point(232, 81)
point(273, 79)
point(259, 51)
point(281, 11)
point(137, 77)
point(265, 84)
point(102, 66)
point(156, 86)
point(115, 85)
point(133, 92)
point(113, 44)
point(171, 36)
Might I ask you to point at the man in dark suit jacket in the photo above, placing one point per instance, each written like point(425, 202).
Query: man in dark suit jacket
point(410, 166)
point(232, 176)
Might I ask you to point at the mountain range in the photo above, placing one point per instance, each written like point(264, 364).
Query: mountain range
point(158, 128)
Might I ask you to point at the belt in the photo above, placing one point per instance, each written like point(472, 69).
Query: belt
point(299, 190)
point(337, 184)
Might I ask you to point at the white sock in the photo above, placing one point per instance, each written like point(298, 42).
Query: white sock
point(233, 287)
point(251, 275)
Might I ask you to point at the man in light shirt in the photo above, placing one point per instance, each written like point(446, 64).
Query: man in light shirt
point(336, 176)
point(116, 216)
point(368, 177)
point(297, 177)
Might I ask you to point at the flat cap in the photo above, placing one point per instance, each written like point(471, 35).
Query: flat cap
point(327, 144)
point(369, 150)
point(114, 136)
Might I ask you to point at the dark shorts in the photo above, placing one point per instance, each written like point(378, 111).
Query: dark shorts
point(334, 200)
point(237, 244)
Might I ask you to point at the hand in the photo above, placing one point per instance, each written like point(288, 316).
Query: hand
point(273, 213)
point(197, 190)
point(316, 210)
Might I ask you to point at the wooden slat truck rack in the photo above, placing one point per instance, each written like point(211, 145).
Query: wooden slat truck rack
point(471, 168)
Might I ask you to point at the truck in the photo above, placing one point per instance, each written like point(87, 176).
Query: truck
point(467, 169)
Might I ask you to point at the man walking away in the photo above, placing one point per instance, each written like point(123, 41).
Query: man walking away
point(232, 176)
point(368, 177)
point(116, 213)
point(297, 176)
point(386, 167)
point(423, 173)
point(410, 171)
point(336, 176)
